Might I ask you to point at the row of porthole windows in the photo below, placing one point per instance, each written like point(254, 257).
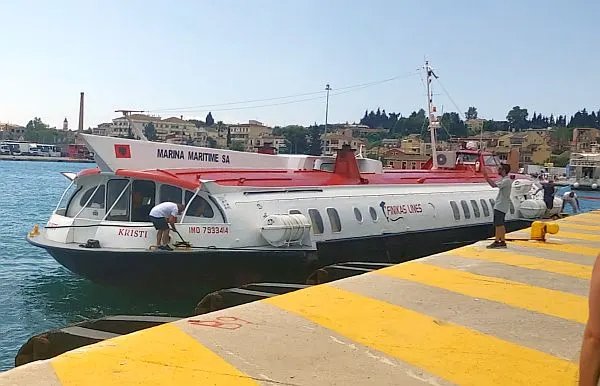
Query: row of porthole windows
point(475, 206)
point(334, 218)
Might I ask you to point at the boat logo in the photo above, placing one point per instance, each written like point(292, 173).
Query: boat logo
point(385, 209)
point(395, 212)
point(122, 151)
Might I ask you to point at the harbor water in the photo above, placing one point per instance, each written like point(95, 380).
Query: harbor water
point(36, 293)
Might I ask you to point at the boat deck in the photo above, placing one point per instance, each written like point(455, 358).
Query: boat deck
point(470, 316)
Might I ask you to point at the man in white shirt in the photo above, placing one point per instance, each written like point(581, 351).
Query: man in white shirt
point(163, 215)
point(571, 198)
point(502, 204)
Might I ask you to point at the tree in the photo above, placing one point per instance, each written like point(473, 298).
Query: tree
point(315, 140)
point(38, 131)
point(228, 137)
point(517, 118)
point(209, 119)
point(561, 138)
point(471, 113)
point(197, 122)
point(453, 125)
point(295, 138)
point(150, 131)
point(560, 160)
point(211, 142)
point(495, 125)
point(237, 145)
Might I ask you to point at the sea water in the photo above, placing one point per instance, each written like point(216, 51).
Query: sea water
point(36, 293)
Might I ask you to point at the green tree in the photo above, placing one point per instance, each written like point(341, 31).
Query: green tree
point(561, 139)
point(315, 140)
point(495, 125)
point(452, 126)
point(295, 138)
point(237, 145)
point(211, 142)
point(517, 118)
point(197, 122)
point(39, 132)
point(150, 131)
point(209, 119)
point(560, 160)
point(471, 113)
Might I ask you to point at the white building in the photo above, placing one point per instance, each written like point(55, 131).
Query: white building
point(171, 130)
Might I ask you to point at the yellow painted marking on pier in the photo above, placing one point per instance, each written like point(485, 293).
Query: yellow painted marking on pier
point(163, 355)
point(577, 219)
point(546, 301)
point(558, 247)
point(525, 261)
point(579, 227)
point(590, 214)
point(576, 236)
point(455, 353)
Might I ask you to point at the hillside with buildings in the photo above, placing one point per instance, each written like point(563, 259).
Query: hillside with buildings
point(398, 141)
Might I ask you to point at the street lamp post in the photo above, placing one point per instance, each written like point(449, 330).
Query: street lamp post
point(327, 88)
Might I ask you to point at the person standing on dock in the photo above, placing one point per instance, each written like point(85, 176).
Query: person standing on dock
point(589, 359)
point(502, 204)
point(161, 216)
point(549, 191)
point(571, 198)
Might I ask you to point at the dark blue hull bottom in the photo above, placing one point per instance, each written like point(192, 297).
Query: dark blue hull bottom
point(216, 269)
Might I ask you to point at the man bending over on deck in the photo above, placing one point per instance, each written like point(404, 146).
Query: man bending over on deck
point(589, 359)
point(502, 203)
point(163, 215)
point(571, 198)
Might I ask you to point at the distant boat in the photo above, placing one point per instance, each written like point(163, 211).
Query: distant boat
point(584, 169)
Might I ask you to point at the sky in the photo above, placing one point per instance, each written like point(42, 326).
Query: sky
point(190, 57)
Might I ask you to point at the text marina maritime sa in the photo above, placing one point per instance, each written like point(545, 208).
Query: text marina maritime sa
point(251, 217)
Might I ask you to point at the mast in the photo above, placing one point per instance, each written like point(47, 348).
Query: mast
point(433, 123)
point(138, 131)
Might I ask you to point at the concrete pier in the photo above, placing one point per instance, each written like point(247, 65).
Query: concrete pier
point(471, 316)
point(42, 159)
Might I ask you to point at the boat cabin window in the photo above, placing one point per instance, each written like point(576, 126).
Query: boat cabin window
point(512, 208)
point(67, 198)
point(455, 210)
point(97, 202)
point(142, 200)
point(373, 213)
point(465, 208)
point(492, 160)
point(199, 207)
point(475, 208)
point(327, 167)
point(484, 206)
point(170, 193)
point(334, 219)
point(358, 215)
point(294, 211)
point(120, 212)
point(317, 221)
point(492, 202)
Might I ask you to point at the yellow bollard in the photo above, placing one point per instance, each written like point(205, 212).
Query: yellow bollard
point(539, 230)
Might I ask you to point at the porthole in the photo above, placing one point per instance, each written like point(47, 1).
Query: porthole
point(358, 215)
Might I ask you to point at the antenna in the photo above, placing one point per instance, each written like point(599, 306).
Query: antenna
point(127, 114)
point(431, 109)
